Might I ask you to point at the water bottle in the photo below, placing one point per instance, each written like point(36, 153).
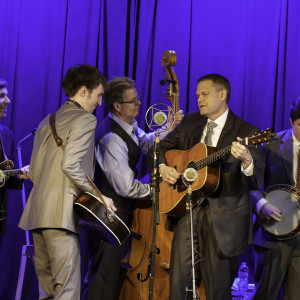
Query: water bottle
point(243, 278)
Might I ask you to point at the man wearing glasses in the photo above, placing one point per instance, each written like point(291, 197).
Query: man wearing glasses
point(119, 142)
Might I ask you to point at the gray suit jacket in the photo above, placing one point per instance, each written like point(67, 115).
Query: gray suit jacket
point(59, 176)
point(278, 170)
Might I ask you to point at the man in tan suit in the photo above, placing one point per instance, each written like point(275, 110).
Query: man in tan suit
point(59, 176)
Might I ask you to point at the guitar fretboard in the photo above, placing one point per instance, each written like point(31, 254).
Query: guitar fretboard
point(210, 159)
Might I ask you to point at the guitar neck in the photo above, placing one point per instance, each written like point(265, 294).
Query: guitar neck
point(9, 173)
point(212, 158)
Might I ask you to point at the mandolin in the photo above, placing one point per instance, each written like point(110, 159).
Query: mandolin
point(6, 170)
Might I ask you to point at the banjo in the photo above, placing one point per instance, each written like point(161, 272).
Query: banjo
point(287, 199)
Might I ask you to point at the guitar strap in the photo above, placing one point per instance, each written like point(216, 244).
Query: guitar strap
point(58, 140)
point(59, 143)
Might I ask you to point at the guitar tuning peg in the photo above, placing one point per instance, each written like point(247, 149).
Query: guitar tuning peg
point(162, 82)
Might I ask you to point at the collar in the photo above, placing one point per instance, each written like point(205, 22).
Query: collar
point(129, 128)
point(221, 120)
point(69, 101)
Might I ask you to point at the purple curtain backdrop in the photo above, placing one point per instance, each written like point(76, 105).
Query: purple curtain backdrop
point(255, 44)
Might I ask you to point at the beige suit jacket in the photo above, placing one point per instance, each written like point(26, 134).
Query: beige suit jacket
point(59, 176)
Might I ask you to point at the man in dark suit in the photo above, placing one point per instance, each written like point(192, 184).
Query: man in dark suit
point(222, 220)
point(277, 261)
point(7, 151)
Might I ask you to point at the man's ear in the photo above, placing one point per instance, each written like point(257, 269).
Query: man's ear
point(116, 106)
point(82, 91)
point(291, 122)
point(223, 94)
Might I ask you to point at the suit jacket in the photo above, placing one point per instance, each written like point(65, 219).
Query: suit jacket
point(12, 182)
point(230, 204)
point(59, 176)
point(278, 170)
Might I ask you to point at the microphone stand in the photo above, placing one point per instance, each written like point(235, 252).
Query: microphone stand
point(189, 211)
point(155, 182)
point(27, 250)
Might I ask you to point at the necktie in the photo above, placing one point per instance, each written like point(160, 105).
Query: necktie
point(298, 172)
point(208, 137)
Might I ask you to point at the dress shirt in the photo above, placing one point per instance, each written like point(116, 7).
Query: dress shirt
point(112, 155)
point(296, 147)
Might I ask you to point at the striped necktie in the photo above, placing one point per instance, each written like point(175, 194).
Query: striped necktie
point(208, 137)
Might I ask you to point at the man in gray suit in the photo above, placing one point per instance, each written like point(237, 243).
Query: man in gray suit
point(277, 263)
point(59, 176)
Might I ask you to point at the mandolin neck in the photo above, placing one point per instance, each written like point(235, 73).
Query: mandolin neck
point(9, 173)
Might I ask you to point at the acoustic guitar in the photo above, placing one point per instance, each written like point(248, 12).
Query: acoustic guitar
point(98, 220)
point(198, 162)
point(93, 218)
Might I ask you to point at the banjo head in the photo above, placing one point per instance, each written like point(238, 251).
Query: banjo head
point(286, 198)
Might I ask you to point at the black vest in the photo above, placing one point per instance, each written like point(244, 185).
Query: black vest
point(124, 205)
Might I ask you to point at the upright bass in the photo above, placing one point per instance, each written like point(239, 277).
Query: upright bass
point(136, 285)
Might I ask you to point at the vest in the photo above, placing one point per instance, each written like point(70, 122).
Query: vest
point(124, 205)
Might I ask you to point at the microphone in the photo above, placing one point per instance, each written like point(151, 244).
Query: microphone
point(160, 118)
point(158, 115)
point(190, 175)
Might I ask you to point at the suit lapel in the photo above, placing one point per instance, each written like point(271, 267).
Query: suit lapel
point(286, 154)
point(227, 130)
point(197, 134)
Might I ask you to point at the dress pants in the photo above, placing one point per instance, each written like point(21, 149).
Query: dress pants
point(103, 277)
point(57, 254)
point(215, 270)
point(276, 269)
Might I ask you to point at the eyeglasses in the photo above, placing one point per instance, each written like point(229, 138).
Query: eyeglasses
point(134, 101)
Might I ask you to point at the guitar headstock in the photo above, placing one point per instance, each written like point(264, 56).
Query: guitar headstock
point(261, 137)
point(169, 60)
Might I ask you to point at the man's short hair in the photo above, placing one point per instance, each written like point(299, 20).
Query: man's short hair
point(3, 84)
point(295, 110)
point(115, 89)
point(218, 80)
point(79, 76)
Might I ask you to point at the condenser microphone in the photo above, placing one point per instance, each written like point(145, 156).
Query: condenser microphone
point(160, 118)
point(157, 115)
point(190, 175)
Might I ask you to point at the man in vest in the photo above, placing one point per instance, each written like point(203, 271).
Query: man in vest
point(119, 142)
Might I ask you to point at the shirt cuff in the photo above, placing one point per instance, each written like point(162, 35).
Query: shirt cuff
point(260, 203)
point(249, 170)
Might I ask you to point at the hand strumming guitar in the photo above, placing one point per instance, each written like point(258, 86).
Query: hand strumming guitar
point(169, 174)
